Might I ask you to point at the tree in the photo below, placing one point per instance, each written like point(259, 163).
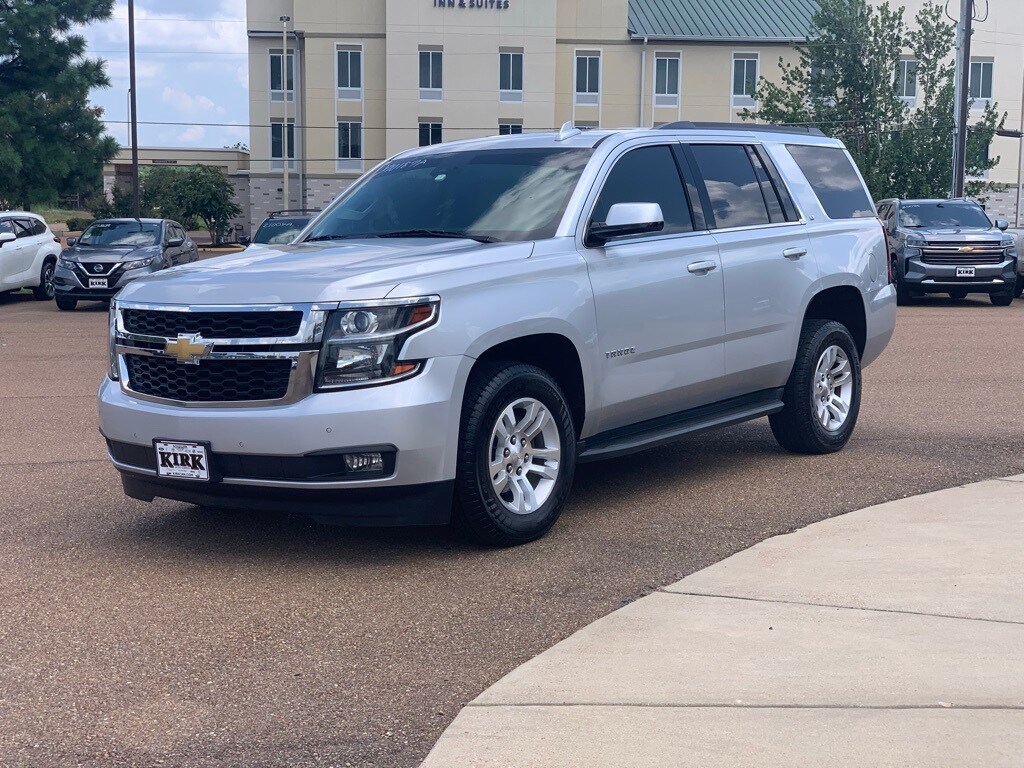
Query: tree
point(196, 192)
point(845, 84)
point(50, 137)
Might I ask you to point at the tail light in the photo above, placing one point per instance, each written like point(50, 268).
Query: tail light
point(888, 253)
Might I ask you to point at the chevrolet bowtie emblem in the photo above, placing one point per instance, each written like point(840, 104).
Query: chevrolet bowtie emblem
point(966, 249)
point(188, 348)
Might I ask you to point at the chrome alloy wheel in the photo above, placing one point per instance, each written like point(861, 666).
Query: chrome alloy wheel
point(47, 280)
point(524, 455)
point(833, 388)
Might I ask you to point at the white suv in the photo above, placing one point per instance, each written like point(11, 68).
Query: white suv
point(28, 254)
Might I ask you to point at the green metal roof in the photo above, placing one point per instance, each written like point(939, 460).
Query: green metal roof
point(722, 20)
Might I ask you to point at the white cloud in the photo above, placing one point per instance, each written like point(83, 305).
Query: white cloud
point(194, 134)
point(188, 104)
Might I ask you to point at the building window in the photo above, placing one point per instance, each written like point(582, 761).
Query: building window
point(588, 77)
point(509, 128)
point(906, 81)
point(510, 75)
point(980, 88)
point(430, 75)
point(350, 74)
point(744, 79)
point(277, 139)
point(430, 132)
point(282, 83)
point(350, 145)
point(666, 80)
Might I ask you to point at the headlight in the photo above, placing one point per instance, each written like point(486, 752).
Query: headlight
point(916, 242)
point(362, 343)
point(139, 263)
point(112, 342)
point(66, 263)
point(1009, 246)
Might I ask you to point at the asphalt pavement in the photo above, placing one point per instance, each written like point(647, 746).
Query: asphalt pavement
point(136, 634)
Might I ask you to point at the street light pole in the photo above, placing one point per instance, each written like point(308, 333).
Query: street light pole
point(284, 128)
point(962, 95)
point(1020, 157)
point(136, 205)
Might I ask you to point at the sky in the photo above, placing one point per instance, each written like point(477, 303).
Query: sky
point(191, 68)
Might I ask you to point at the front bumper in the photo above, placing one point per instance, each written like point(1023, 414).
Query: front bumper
point(261, 446)
point(941, 278)
point(69, 284)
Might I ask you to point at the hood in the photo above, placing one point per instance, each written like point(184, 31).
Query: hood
point(108, 253)
point(967, 234)
point(316, 272)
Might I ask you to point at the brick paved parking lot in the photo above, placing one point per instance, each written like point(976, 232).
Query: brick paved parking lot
point(137, 634)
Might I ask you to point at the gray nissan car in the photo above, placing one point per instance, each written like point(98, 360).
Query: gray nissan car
point(951, 247)
point(113, 252)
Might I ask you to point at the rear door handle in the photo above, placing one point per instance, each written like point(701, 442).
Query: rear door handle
point(794, 253)
point(701, 267)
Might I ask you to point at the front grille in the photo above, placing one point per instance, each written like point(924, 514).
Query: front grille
point(213, 325)
point(210, 381)
point(948, 252)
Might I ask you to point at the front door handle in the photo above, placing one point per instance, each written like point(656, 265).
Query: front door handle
point(701, 267)
point(794, 253)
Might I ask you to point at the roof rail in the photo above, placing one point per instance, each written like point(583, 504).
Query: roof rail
point(805, 130)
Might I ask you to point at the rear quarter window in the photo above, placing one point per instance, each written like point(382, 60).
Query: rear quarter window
point(834, 180)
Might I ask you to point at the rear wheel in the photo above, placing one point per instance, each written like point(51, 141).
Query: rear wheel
point(1003, 299)
point(517, 454)
point(822, 396)
point(44, 291)
point(66, 305)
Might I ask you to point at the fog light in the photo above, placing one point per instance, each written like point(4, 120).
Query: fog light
point(364, 462)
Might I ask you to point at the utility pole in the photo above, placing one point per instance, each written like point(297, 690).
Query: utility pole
point(961, 96)
point(136, 205)
point(1020, 157)
point(286, 201)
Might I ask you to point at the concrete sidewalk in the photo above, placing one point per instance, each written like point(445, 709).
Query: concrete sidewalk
point(891, 636)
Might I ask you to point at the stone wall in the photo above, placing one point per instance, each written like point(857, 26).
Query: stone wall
point(265, 195)
point(1002, 204)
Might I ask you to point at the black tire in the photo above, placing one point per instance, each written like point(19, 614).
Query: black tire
point(796, 426)
point(479, 511)
point(1019, 290)
point(957, 295)
point(44, 291)
point(902, 294)
point(1003, 299)
point(66, 305)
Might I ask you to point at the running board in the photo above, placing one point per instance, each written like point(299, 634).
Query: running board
point(667, 429)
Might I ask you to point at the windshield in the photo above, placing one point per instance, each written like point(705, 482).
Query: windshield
point(129, 233)
point(493, 194)
point(280, 231)
point(956, 215)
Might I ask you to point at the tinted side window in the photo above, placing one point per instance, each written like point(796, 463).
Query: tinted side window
point(733, 188)
point(23, 227)
point(38, 227)
point(647, 175)
point(834, 180)
point(5, 226)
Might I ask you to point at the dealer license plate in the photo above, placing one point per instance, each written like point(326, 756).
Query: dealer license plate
point(98, 282)
point(184, 461)
point(965, 271)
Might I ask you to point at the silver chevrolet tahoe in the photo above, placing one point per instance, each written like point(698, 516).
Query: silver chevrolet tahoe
point(468, 321)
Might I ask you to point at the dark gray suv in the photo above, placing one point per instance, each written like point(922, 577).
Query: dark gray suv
point(113, 252)
point(949, 246)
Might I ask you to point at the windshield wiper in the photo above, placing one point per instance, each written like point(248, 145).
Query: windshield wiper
point(439, 233)
point(332, 237)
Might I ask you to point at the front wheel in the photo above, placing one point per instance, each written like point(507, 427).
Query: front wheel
point(1019, 290)
point(66, 305)
point(958, 295)
point(1004, 299)
point(822, 396)
point(902, 294)
point(517, 454)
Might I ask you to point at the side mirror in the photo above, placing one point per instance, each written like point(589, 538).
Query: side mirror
point(627, 219)
point(72, 241)
point(244, 240)
point(1002, 225)
point(7, 237)
point(174, 242)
